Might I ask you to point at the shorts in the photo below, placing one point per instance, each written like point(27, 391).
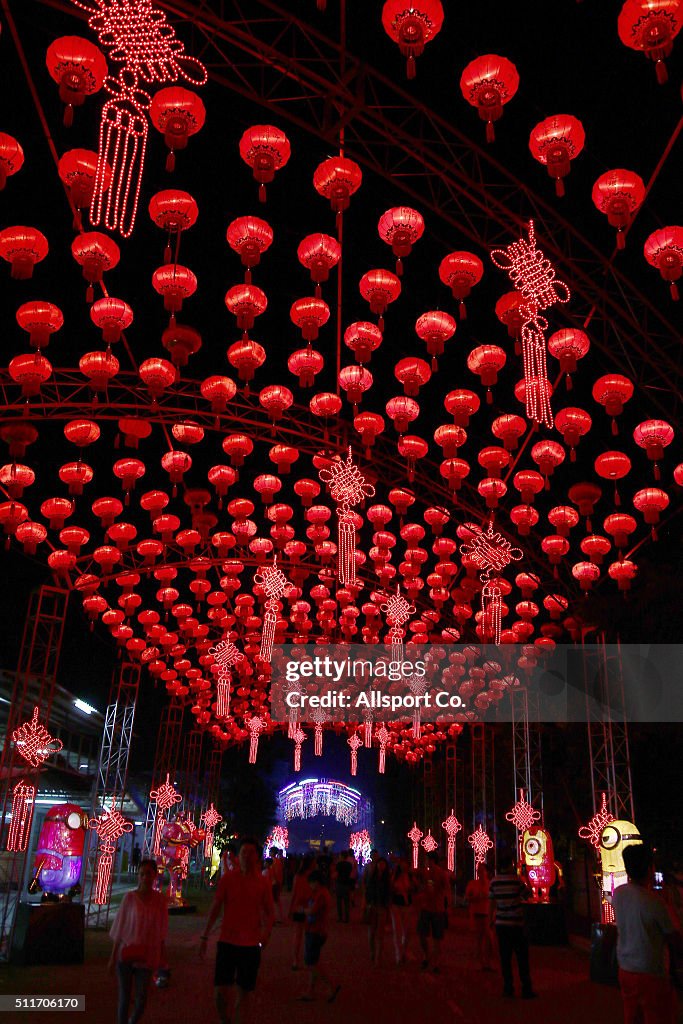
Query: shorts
point(238, 964)
point(431, 922)
point(299, 916)
point(313, 944)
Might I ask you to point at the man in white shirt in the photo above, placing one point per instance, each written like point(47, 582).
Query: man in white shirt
point(644, 930)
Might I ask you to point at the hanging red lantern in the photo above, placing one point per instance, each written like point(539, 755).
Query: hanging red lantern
point(363, 339)
point(492, 491)
point(283, 456)
point(573, 424)
point(563, 518)
point(174, 211)
point(112, 316)
point(176, 283)
point(15, 478)
point(79, 69)
point(512, 310)
point(237, 447)
point(309, 315)
point(596, 547)
point(30, 370)
point(176, 464)
point(265, 149)
point(134, 430)
point(267, 486)
point(76, 475)
point(82, 433)
point(488, 83)
point(487, 361)
point(337, 178)
point(249, 237)
point(651, 27)
point(95, 253)
point(369, 425)
point(30, 535)
point(620, 526)
point(413, 374)
point(547, 455)
point(157, 375)
point(40, 320)
point(181, 342)
point(11, 158)
point(494, 460)
point(18, 437)
point(613, 391)
point(402, 412)
point(178, 114)
point(379, 288)
point(585, 496)
point(555, 547)
point(435, 329)
point(276, 399)
point(221, 479)
point(219, 391)
point(586, 573)
point(555, 142)
point(400, 228)
point(461, 271)
point(319, 253)
point(106, 510)
point(22, 248)
point(623, 572)
point(664, 250)
point(529, 483)
point(305, 363)
point(508, 428)
point(78, 170)
point(654, 436)
point(568, 345)
point(56, 511)
point(613, 466)
point(524, 517)
point(246, 302)
point(187, 432)
point(461, 405)
point(412, 448)
point(412, 26)
point(246, 356)
point(618, 194)
point(450, 438)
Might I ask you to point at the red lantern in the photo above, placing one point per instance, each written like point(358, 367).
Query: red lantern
point(221, 479)
point(177, 113)
point(265, 149)
point(596, 547)
point(82, 433)
point(618, 194)
point(176, 464)
point(305, 363)
point(573, 424)
point(237, 447)
point(563, 518)
point(219, 391)
point(78, 171)
point(246, 356)
point(174, 211)
point(585, 496)
point(181, 342)
point(461, 405)
point(413, 374)
point(157, 375)
point(529, 483)
point(78, 68)
point(401, 227)
point(488, 83)
point(11, 158)
point(613, 466)
point(555, 142)
point(555, 547)
point(175, 283)
point(623, 572)
point(309, 315)
point(15, 478)
point(134, 430)
point(95, 253)
point(524, 517)
point(412, 448)
point(30, 370)
point(586, 573)
point(620, 526)
point(30, 535)
point(106, 510)
point(461, 271)
point(412, 26)
point(112, 316)
point(508, 428)
point(249, 237)
point(651, 27)
point(369, 425)
point(664, 250)
point(22, 248)
point(276, 399)
point(568, 346)
point(246, 302)
point(40, 320)
point(486, 361)
point(319, 254)
point(402, 412)
point(379, 288)
point(363, 339)
point(492, 491)
point(56, 511)
point(128, 471)
point(654, 436)
point(337, 178)
point(450, 438)
point(547, 455)
point(76, 475)
point(435, 329)
point(613, 391)
point(283, 456)
point(187, 432)
point(494, 460)
point(512, 310)
point(267, 486)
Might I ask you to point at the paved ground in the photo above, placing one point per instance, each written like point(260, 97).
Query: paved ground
point(460, 994)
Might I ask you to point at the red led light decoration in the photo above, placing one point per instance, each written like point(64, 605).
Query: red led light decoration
point(481, 843)
point(397, 610)
point(523, 815)
point(415, 835)
point(490, 552)
point(34, 744)
point(275, 585)
point(348, 488)
point(165, 796)
point(533, 275)
point(110, 826)
point(354, 741)
point(225, 655)
point(451, 826)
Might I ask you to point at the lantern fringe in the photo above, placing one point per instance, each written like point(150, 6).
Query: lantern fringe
point(347, 548)
point(318, 745)
point(492, 608)
point(268, 633)
point(417, 729)
point(103, 874)
point(223, 698)
point(23, 803)
point(367, 733)
point(122, 147)
point(536, 375)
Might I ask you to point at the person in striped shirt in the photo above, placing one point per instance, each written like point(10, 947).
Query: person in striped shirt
point(506, 893)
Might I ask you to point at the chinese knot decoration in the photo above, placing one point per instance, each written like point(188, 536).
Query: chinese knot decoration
point(210, 819)
point(354, 741)
point(382, 736)
point(490, 552)
point(533, 275)
point(164, 797)
point(451, 826)
point(429, 843)
point(348, 488)
point(145, 45)
point(275, 585)
point(480, 843)
point(255, 725)
point(34, 744)
point(593, 830)
point(397, 610)
point(523, 815)
point(225, 654)
point(415, 835)
point(110, 826)
point(299, 737)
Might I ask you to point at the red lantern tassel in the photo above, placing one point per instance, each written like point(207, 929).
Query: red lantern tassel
point(346, 561)
point(318, 743)
point(268, 633)
point(492, 608)
point(23, 802)
point(417, 728)
point(382, 757)
point(103, 876)
point(536, 375)
point(367, 732)
point(223, 698)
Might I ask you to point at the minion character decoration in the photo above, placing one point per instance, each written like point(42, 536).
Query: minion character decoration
point(614, 838)
point(59, 854)
point(539, 867)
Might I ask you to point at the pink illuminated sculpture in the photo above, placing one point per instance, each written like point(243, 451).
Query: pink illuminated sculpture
point(415, 835)
point(348, 488)
point(164, 797)
point(533, 276)
point(275, 585)
point(490, 552)
point(210, 819)
point(34, 744)
point(451, 826)
point(110, 826)
point(59, 853)
point(480, 843)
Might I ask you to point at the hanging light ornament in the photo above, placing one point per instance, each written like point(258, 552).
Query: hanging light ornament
point(397, 610)
point(490, 552)
point(265, 149)
point(382, 735)
point(319, 253)
point(613, 391)
point(568, 345)
point(488, 83)
point(664, 250)
point(415, 835)
point(555, 142)
point(619, 194)
point(255, 727)
point(651, 501)
point(481, 844)
point(654, 436)
point(487, 361)
point(299, 737)
point(379, 288)
point(276, 586)
point(533, 276)
point(461, 271)
point(78, 172)
point(79, 69)
point(165, 797)
point(451, 826)
point(210, 818)
point(651, 27)
point(354, 741)
point(337, 178)
point(348, 488)
point(11, 158)
point(95, 253)
point(174, 211)
point(178, 114)
point(110, 826)
point(573, 424)
point(225, 655)
point(400, 228)
point(22, 247)
point(34, 744)
point(435, 329)
point(412, 25)
point(40, 320)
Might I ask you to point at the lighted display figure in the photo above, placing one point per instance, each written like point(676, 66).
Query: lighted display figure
point(348, 487)
point(59, 853)
point(275, 585)
point(539, 866)
point(34, 744)
point(176, 840)
point(110, 826)
point(490, 552)
point(614, 839)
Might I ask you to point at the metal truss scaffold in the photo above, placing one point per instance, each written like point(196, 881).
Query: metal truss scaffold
point(526, 747)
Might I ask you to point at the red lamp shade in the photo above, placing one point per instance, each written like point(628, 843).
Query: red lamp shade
point(267, 486)
point(412, 448)
point(99, 368)
point(219, 391)
point(585, 496)
point(524, 517)
point(555, 142)
point(402, 411)
point(276, 399)
point(176, 464)
point(134, 430)
point(568, 345)
point(157, 375)
point(369, 425)
point(309, 315)
point(654, 436)
point(337, 178)
point(450, 438)
point(106, 510)
point(529, 483)
point(76, 475)
point(623, 572)
point(78, 171)
point(595, 547)
point(15, 478)
point(555, 547)
point(112, 316)
point(181, 342)
point(174, 211)
point(435, 328)
point(573, 424)
point(412, 26)
point(82, 433)
point(319, 253)
point(305, 363)
point(586, 573)
point(461, 271)
point(177, 113)
point(508, 428)
point(486, 361)
point(40, 320)
point(613, 466)
point(30, 370)
point(494, 460)
point(246, 356)
point(547, 455)
point(620, 526)
point(11, 157)
point(307, 490)
point(175, 283)
point(488, 83)
point(246, 302)
point(664, 250)
point(249, 237)
point(651, 27)
point(188, 432)
point(129, 470)
point(613, 391)
point(265, 149)
point(78, 68)
point(556, 605)
point(379, 288)
point(492, 491)
point(56, 511)
point(461, 405)
point(413, 374)
point(363, 339)
point(618, 194)
point(22, 248)
point(283, 456)
point(30, 535)
point(400, 228)
point(511, 310)
point(95, 253)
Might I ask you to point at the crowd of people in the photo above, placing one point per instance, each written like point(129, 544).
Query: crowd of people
point(387, 895)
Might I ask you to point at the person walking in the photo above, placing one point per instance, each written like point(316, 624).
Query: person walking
point(135, 858)
point(644, 929)
point(138, 933)
point(433, 901)
point(506, 892)
point(343, 887)
point(378, 902)
point(278, 876)
point(315, 937)
point(245, 898)
point(301, 894)
point(477, 898)
point(401, 891)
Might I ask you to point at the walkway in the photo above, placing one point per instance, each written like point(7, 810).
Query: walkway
point(460, 994)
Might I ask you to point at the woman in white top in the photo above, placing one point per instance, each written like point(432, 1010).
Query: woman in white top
point(138, 933)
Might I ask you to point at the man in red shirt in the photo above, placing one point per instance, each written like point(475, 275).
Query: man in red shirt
point(315, 937)
point(246, 899)
point(433, 900)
